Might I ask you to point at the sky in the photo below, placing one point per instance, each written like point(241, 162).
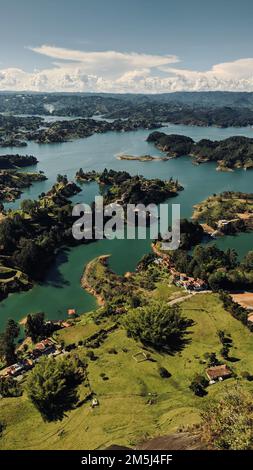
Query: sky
point(141, 46)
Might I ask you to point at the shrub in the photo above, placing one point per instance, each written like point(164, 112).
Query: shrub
point(9, 387)
point(228, 423)
point(246, 375)
point(164, 373)
point(91, 355)
point(198, 385)
point(112, 351)
point(2, 428)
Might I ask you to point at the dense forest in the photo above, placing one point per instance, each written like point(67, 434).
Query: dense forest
point(220, 109)
point(233, 152)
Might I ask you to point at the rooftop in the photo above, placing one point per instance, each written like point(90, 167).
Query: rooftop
point(218, 371)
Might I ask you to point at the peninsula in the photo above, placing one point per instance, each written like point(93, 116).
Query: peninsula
point(231, 153)
point(226, 213)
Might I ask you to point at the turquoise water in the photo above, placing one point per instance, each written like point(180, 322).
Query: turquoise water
point(61, 289)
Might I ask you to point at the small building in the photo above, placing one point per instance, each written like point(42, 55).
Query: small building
point(94, 402)
point(19, 368)
point(46, 346)
point(15, 369)
point(71, 311)
point(220, 373)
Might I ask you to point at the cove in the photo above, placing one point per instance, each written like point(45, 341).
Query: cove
point(61, 288)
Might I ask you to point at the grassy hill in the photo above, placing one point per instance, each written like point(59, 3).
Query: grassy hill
point(124, 387)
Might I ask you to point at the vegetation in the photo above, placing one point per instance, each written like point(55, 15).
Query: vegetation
point(235, 207)
point(233, 152)
point(51, 386)
point(130, 384)
point(36, 328)
point(221, 270)
point(228, 424)
point(13, 182)
point(8, 342)
point(14, 161)
point(29, 236)
point(236, 310)
point(9, 387)
point(199, 385)
point(220, 109)
point(158, 325)
point(120, 186)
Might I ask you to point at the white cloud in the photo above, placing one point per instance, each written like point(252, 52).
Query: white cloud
point(112, 71)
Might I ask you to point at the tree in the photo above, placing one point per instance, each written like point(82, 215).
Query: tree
point(9, 387)
point(228, 423)
point(51, 386)
point(29, 206)
point(7, 342)
point(198, 385)
point(158, 324)
point(212, 359)
point(247, 261)
point(35, 326)
point(29, 258)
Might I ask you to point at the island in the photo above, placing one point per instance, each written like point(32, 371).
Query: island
point(226, 213)
point(125, 189)
point(13, 182)
point(141, 158)
point(14, 161)
point(231, 153)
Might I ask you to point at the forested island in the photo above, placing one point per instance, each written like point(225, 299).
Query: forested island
point(226, 213)
point(15, 161)
point(127, 189)
point(231, 153)
point(13, 181)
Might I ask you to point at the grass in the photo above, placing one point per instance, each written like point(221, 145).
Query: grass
point(124, 415)
point(167, 291)
point(81, 330)
point(8, 275)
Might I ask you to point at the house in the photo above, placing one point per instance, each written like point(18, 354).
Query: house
point(45, 347)
point(15, 369)
point(19, 368)
point(220, 373)
point(189, 283)
point(71, 311)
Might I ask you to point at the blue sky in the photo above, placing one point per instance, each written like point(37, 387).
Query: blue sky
point(197, 37)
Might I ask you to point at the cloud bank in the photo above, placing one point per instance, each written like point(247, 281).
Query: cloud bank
point(118, 72)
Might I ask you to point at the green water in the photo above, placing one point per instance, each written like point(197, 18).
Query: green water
point(61, 289)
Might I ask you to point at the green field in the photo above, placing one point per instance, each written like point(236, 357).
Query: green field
point(124, 415)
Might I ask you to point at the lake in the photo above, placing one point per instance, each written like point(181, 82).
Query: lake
point(61, 289)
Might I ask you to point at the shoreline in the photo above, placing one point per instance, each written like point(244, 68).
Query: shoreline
point(86, 285)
